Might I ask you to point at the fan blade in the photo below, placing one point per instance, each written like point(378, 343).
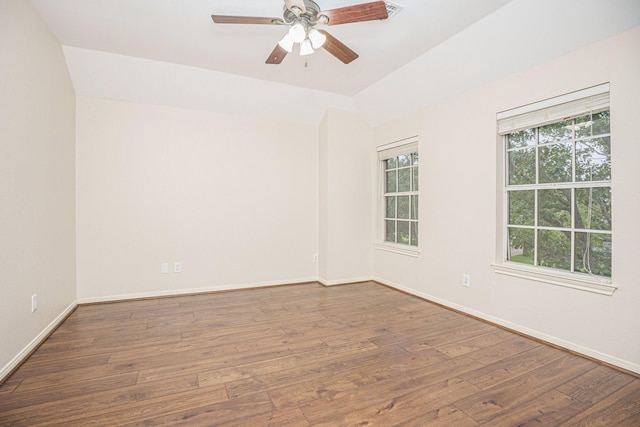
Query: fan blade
point(297, 3)
point(225, 19)
point(277, 55)
point(357, 13)
point(338, 49)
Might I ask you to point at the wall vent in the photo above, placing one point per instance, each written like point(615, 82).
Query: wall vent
point(392, 9)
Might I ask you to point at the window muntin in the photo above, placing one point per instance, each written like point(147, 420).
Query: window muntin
point(558, 195)
point(401, 199)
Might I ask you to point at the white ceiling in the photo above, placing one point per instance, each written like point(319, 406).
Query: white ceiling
point(430, 50)
point(181, 31)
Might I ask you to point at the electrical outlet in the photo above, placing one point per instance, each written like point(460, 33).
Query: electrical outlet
point(34, 302)
point(164, 268)
point(314, 258)
point(466, 280)
point(177, 267)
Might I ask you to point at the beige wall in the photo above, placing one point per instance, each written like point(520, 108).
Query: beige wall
point(458, 164)
point(37, 237)
point(345, 193)
point(234, 199)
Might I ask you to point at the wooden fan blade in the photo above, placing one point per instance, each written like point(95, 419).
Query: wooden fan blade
point(338, 49)
point(277, 55)
point(226, 19)
point(297, 3)
point(357, 13)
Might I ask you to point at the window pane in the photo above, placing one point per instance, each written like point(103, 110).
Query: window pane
point(521, 244)
point(522, 167)
point(414, 234)
point(404, 179)
point(593, 208)
point(391, 207)
point(403, 207)
point(554, 249)
point(390, 231)
point(555, 163)
point(583, 126)
point(391, 163)
point(593, 159)
point(403, 232)
point(554, 208)
point(414, 207)
point(592, 125)
point(391, 178)
point(560, 131)
point(524, 138)
point(522, 207)
point(601, 123)
point(401, 176)
point(593, 254)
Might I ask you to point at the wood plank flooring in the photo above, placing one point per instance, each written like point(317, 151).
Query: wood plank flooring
point(305, 355)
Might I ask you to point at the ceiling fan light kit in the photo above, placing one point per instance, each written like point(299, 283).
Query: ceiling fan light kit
point(287, 43)
point(298, 32)
point(306, 48)
point(317, 38)
point(309, 40)
point(302, 16)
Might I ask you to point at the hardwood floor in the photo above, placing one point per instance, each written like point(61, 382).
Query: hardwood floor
point(305, 355)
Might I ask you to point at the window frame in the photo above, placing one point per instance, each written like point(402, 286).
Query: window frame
point(534, 116)
point(385, 152)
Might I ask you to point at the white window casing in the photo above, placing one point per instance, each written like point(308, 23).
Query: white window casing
point(384, 152)
point(575, 104)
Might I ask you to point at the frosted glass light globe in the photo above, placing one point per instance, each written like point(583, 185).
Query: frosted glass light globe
point(297, 32)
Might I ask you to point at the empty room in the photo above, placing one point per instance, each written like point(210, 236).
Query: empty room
point(319, 213)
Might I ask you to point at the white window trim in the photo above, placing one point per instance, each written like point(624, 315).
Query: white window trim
point(579, 281)
point(384, 151)
point(539, 114)
point(412, 251)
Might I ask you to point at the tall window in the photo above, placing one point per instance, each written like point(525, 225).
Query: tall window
point(558, 185)
point(400, 193)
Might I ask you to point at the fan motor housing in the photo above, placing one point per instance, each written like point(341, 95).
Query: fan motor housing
point(310, 15)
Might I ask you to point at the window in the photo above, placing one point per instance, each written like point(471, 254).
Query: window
point(399, 170)
point(557, 186)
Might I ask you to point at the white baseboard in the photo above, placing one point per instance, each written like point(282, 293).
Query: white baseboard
point(607, 358)
point(20, 357)
point(206, 289)
point(352, 280)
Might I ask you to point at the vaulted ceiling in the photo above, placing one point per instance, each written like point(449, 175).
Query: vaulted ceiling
point(441, 46)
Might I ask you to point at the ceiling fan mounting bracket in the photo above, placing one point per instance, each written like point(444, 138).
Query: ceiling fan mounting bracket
point(310, 15)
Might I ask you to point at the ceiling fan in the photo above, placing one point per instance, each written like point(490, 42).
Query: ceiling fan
point(302, 16)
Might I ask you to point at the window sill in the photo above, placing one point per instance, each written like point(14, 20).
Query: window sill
point(571, 280)
point(398, 249)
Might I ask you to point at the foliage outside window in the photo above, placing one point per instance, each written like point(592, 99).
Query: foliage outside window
point(558, 195)
point(401, 199)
